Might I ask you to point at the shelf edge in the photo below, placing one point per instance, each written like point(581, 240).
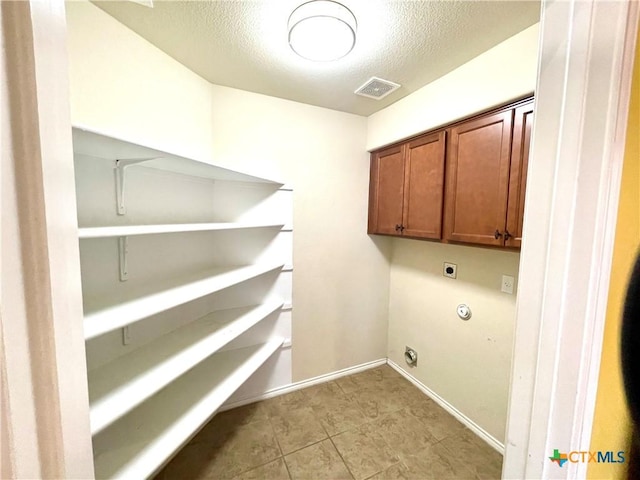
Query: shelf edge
point(217, 340)
point(87, 233)
point(101, 322)
point(151, 461)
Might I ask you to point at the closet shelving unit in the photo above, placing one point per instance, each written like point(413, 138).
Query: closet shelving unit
point(198, 329)
point(126, 313)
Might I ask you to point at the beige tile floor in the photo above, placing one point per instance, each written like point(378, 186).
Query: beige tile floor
point(371, 425)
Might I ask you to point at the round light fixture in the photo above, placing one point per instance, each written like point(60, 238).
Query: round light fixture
point(322, 30)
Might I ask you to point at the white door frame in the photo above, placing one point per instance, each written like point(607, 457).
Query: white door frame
point(582, 97)
point(44, 400)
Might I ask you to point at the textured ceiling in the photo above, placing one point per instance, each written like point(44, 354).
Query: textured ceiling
point(243, 44)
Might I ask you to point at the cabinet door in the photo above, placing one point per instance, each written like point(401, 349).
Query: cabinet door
point(424, 186)
point(478, 179)
point(386, 190)
point(518, 179)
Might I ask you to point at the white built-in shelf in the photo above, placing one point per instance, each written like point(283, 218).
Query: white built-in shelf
point(103, 320)
point(120, 386)
point(149, 398)
point(131, 230)
point(86, 142)
point(142, 442)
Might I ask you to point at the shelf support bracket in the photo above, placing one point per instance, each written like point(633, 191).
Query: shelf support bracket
point(123, 250)
point(120, 169)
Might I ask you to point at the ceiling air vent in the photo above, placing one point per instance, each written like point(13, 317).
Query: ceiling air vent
point(376, 88)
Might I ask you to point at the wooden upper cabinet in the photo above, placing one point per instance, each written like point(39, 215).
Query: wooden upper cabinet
point(386, 191)
point(518, 179)
point(463, 183)
point(424, 186)
point(478, 179)
point(406, 189)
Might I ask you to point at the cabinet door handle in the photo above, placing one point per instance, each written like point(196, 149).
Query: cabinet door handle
point(497, 234)
point(398, 227)
point(507, 235)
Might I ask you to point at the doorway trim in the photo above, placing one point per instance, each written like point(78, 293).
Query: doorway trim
point(582, 97)
point(44, 401)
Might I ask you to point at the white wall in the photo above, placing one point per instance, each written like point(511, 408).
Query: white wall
point(340, 292)
point(123, 86)
point(466, 363)
point(505, 72)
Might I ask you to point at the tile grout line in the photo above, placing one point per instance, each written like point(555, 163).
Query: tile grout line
point(275, 436)
point(376, 473)
point(385, 469)
point(268, 420)
point(368, 420)
point(306, 446)
point(286, 466)
point(257, 466)
point(309, 445)
point(342, 458)
point(282, 456)
point(475, 474)
point(330, 437)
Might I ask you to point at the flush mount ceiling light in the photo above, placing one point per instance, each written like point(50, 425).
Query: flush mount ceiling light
point(322, 30)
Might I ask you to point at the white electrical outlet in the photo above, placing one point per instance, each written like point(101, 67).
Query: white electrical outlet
point(450, 270)
point(507, 284)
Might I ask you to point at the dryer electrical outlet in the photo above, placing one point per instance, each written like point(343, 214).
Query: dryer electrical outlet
point(450, 270)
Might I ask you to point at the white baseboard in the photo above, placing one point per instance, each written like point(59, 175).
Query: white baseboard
point(305, 383)
point(474, 427)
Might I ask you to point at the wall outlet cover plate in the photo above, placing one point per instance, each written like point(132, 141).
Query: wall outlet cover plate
point(507, 284)
point(450, 270)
